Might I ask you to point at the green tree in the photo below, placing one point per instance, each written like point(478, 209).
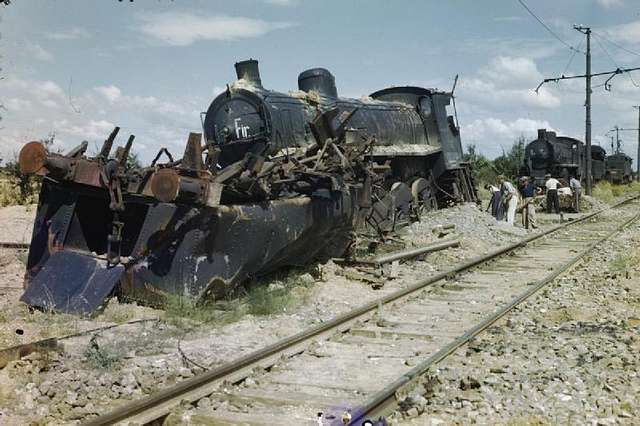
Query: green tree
point(510, 162)
point(482, 168)
point(17, 187)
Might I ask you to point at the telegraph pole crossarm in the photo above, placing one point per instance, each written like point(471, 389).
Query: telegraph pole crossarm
point(612, 74)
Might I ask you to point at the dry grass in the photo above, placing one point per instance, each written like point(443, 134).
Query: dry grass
point(624, 263)
point(608, 193)
point(277, 294)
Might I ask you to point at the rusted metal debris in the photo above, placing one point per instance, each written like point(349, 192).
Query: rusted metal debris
point(179, 228)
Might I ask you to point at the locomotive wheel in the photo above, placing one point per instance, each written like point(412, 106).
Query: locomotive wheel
point(424, 197)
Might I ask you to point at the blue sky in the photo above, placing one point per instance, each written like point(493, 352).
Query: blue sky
point(79, 67)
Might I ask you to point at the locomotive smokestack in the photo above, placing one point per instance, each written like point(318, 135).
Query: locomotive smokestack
point(248, 71)
point(318, 80)
point(542, 133)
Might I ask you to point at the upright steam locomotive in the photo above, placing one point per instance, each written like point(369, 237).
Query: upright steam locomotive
point(563, 157)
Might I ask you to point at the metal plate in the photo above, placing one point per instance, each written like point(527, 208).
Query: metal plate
point(72, 283)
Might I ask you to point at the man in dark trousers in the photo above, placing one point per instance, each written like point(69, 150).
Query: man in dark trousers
point(576, 190)
point(553, 203)
point(495, 204)
point(528, 191)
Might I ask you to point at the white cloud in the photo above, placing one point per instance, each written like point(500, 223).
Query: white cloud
point(91, 130)
point(70, 34)
point(629, 33)
point(36, 51)
point(512, 70)
point(508, 18)
point(507, 83)
point(492, 134)
point(17, 104)
point(282, 2)
point(110, 93)
point(114, 96)
point(181, 29)
point(609, 3)
point(34, 108)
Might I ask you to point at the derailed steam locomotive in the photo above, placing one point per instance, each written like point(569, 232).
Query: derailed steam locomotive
point(281, 180)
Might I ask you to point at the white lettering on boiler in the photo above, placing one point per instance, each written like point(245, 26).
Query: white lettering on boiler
point(241, 131)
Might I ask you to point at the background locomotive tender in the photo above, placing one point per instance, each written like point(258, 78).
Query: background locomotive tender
point(281, 180)
point(618, 168)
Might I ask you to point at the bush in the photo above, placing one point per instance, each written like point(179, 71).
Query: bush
point(16, 188)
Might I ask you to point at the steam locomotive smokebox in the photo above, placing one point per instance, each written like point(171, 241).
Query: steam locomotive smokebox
point(319, 80)
point(248, 70)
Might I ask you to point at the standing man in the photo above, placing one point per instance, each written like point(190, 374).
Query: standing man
point(529, 208)
point(553, 203)
point(576, 190)
point(495, 204)
point(509, 198)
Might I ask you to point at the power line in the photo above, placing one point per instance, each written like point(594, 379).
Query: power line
point(615, 63)
point(573, 55)
point(523, 4)
point(616, 44)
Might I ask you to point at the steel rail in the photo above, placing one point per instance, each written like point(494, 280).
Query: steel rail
point(51, 343)
point(159, 404)
point(14, 245)
point(382, 402)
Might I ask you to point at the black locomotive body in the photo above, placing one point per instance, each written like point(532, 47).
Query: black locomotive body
point(559, 156)
point(618, 168)
point(598, 162)
point(562, 157)
point(415, 136)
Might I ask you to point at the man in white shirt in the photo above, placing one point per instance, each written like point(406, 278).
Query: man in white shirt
point(576, 189)
point(553, 203)
point(509, 198)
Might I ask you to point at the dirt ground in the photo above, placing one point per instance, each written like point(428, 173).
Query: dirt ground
point(89, 375)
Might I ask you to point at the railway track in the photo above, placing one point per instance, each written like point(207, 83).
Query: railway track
point(13, 353)
point(358, 362)
point(13, 245)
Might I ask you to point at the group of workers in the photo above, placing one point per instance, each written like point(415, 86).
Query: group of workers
point(505, 198)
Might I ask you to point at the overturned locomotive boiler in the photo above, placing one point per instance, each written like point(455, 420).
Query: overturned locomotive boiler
point(277, 180)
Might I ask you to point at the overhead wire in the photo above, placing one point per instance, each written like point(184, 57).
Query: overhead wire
point(615, 63)
point(608, 40)
point(556, 36)
point(573, 55)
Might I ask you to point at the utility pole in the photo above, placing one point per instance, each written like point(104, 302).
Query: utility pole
point(587, 105)
point(638, 156)
point(612, 144)
point(607, 85)
point(617, 140)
